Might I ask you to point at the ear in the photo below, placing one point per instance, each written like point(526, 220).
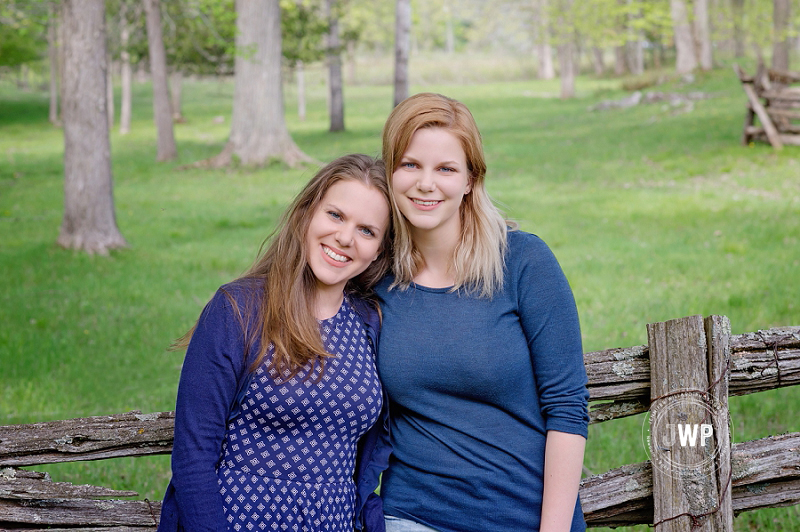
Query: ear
point(469, 186)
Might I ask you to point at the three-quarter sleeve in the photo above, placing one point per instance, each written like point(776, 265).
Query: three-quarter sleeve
point(211, 370)
point(550, 322)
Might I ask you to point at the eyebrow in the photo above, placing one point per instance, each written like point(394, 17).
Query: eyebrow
point(374, 228)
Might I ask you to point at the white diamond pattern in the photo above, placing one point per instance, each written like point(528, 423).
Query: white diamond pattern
point(288, 458)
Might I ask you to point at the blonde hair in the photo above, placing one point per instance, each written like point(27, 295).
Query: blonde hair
point(478, 260)
point(283, 316)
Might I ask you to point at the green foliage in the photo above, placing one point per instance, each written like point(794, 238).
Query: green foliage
point(303, 28)
point(23, 32)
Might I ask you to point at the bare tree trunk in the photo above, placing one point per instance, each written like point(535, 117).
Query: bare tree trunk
point(258, 126)
point(176, 93)
point(89, 222)
point(334, 56)
point(597, 61)
point(126, 71)
point(352, 78)
point(450, 37)
point(109, 92)
point(158, 68)
point(300, 74)
point(52, 54)
point(702, 32)
point(737, 7)
point(544, 51)
point(566, 65)
point(402, 49)
point(686, 60)
point(634, 55)
point(634, 51)
point(619, 61)
point(780, 45)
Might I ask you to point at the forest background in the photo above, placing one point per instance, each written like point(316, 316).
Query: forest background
point(655, 211)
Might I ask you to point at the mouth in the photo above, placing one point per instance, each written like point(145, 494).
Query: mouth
point(336, 257)
point(425, 203)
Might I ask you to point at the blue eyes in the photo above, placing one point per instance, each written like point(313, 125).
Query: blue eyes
point(413, 166)
point(366, 231)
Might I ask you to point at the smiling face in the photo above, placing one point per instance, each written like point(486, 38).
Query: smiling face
point(345, 233)
point(430, 183)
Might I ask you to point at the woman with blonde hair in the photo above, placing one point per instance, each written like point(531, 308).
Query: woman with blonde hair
point(480, 351)
point(279, 404)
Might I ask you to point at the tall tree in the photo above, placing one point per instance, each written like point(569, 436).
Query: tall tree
point(302, 29)
point(737, 9)
point(52, 55)
point(702, 32)
point(258, 126)
point(780, 41)
point(158, 69)
point(544, 52)
point(89, 222)
point(334, 57)
point(126, 73)
point(402, 50)
point(686, 60)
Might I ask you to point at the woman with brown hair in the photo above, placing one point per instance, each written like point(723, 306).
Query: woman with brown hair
point(480, 352)
point(279, 401)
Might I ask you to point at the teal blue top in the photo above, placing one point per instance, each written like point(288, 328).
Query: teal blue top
point(474, 385)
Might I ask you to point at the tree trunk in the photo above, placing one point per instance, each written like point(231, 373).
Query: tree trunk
point(544, 51)
point(334, 56)
point(109, 92)
point(780, 44)
point(450, 37)
point(702, 32)
point(52, 54)
point(352, 77)
point(158, 69)
point(300, 74)
point(686, 60)
point(126, 71)
point(597, 61)
point(566, 65)
point(176, 92)
point(258, 126)
point(619, 61)
point(634, 55)
point(737, 7)
point(402, 49)
point(89, 222)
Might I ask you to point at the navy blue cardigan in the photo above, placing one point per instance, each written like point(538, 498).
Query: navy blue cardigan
point(216, 371)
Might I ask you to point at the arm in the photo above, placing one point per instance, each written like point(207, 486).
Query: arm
point(563, 463)
point(208, 384)
point(550, 321)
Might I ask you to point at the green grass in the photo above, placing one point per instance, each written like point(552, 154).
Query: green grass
point(653, 213)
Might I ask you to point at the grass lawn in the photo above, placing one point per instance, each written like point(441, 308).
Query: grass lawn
point(655, 212)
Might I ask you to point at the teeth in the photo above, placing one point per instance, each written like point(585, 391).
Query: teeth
point(425, 203)
point(335, 256)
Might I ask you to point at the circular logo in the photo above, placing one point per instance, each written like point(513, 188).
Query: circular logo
point(680, 433)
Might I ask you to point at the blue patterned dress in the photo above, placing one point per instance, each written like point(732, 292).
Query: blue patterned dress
point(288, 457)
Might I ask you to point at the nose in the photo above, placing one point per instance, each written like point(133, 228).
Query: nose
point(425, 183)
point(344, 236)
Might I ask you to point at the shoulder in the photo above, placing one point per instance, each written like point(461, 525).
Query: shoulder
point(367, 309)
point(527, 248)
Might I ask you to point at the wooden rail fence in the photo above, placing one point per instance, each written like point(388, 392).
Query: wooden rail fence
point(686, 372)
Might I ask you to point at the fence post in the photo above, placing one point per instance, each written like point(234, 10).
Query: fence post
point(689, 442)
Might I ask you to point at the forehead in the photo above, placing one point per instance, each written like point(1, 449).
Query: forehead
point(359, 199)
point(436, 140)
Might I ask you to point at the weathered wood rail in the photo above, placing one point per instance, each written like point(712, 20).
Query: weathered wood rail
point(776, 104)
point(749, 475)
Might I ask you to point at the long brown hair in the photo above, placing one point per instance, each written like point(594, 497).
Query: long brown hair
point(283, 316)
point(478, 261)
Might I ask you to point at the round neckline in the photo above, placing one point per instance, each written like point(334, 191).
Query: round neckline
point(432, 289)
point(342, 307)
